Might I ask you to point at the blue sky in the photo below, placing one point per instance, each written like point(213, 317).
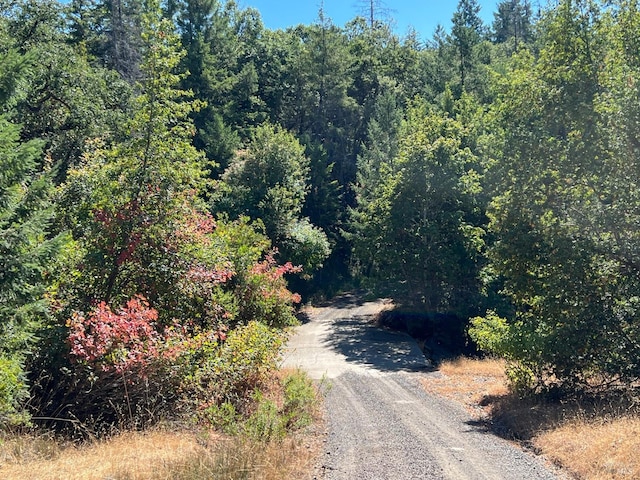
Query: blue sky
point(423, 15)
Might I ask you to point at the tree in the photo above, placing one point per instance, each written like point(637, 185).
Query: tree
point(270, 182)
point(564, 241)
point(127, 199)
point(26, 245)
point(153, 283)
point(375, 11)
point(466, 32)
point(377, 158)
point(423, 220)
point(64, 99)
point(513, 21)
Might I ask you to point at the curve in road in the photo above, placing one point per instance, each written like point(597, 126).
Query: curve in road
point(381, 423)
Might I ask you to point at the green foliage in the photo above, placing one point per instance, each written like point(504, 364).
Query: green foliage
point(376, 160)
point(27, 246)
point(224, 416)
point(563, 249)
point(13, 392)
point(423, 217)
point(264, 423)
point(300, 399)
point(153, 283)
point(305, 245)
point(494, 335)
point(513, 23)
point(63, 100)
point(267, 418)
point(466, 33)
point(490, 333)
point(128, 199)
point(407, 150)
point(231, 372)
point(270, 182)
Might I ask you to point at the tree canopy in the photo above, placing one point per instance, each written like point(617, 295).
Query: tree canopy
point(170, 171)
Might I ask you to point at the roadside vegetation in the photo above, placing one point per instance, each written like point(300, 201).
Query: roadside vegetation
point(269, 441)
point(590, 437)
point(175, 178)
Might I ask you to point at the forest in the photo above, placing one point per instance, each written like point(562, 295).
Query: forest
point(176, 179)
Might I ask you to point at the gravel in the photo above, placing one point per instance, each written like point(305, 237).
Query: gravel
point(380, 423)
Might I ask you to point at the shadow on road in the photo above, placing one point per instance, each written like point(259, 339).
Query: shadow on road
point(349, 299)
point(382, 350)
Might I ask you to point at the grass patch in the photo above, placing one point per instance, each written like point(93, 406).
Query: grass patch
point(160, 455)
point(272, 442)
point(592, 438)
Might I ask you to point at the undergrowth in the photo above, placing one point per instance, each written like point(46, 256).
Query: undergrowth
point(266, 439)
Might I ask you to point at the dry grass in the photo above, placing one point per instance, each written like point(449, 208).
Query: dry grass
point(593, 440)
point(140, 454)
point(169, 453)
point(469, 382)
point(155, 456)
point(594, 449)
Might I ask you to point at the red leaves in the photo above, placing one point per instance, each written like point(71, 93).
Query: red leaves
point(272, 270)
point(116, 341)
point(201, 274)
point(270, 278)
point(120, 238)
point(128, 339)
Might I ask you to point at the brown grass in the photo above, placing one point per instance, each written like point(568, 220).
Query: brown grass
point(156, 455)
point(595, 449)
point(591, 439)
point(171, 453)
point(469, 382)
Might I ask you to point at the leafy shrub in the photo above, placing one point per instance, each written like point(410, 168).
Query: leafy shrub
point(120, 341)
point(155, 283)
point(224, 416)
point(266, 422)
point(269, 181)
point(268, 416)
point(492, 334)
point(305, 245)
point(238, 367)
point(300, 400)
point(264, 296)
point(13, 391)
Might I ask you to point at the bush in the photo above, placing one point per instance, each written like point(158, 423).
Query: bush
point(492, 334)
point(13, 391)
point(230, 373)
point(288, 406)
point(299, 400)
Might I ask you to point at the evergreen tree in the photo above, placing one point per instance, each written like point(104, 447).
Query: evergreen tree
point(513, 22)
point(375, 162)
point(466, 32)
point(26, 246)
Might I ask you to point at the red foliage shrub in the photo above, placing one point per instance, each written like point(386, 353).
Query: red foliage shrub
point(117, 341)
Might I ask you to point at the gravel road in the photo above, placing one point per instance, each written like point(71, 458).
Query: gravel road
point(381, 423)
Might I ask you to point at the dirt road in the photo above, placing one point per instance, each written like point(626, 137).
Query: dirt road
point(381, 424)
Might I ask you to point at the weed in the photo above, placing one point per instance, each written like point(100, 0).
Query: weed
point(300, 400)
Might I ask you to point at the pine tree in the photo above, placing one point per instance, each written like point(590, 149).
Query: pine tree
point(467, 32)
point(25, 249)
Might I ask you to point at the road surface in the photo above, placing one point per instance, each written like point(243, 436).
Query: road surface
point(381, 424)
